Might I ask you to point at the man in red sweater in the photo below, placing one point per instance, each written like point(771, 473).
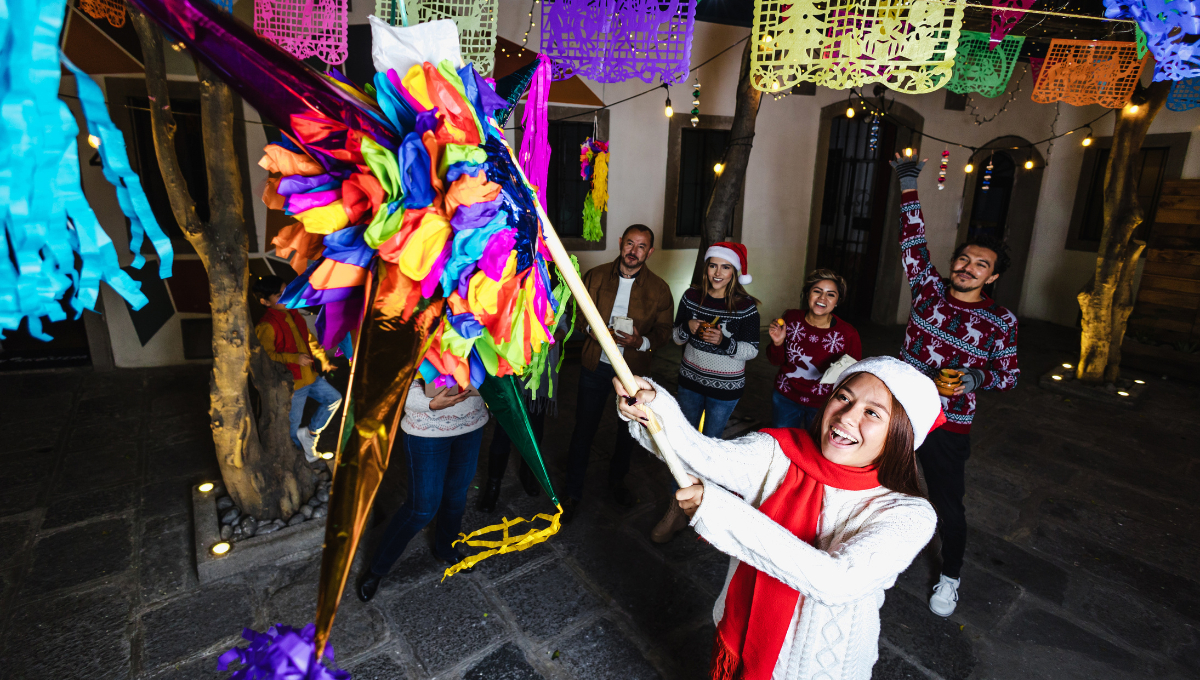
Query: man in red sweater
point(953, 324)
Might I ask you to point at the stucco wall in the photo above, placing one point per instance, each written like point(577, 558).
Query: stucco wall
point(779, 182)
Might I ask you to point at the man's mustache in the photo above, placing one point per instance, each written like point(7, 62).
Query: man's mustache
point(964, 272)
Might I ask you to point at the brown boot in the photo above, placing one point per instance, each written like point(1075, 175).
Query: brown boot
point(670, 524)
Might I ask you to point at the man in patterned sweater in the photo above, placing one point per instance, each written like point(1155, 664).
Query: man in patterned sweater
point(953, 324)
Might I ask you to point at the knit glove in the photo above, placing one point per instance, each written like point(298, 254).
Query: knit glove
point(972, 378)
point(907, 171)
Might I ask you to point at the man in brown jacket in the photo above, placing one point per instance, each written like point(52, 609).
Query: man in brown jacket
point(623, 288)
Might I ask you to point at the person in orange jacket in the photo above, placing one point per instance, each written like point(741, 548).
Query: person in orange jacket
point(285, 338)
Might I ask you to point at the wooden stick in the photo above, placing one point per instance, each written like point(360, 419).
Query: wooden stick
point(600, 330)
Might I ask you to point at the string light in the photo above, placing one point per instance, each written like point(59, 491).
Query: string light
point(969, 169)
point(525, 40)
point(908, 152)
point(849, 111)
point(696, 102)
point(667, 110)
point(1087, 141)
point(942, 169)
point(1132, 108)
point(94, 141)
point(719, 168)
point(1012, 97)
point(1029, 165)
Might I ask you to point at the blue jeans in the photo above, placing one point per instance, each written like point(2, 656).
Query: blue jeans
point(324, 394)
point(790, 414)
point(716, 411)
point(596, 395)
point(440, 470)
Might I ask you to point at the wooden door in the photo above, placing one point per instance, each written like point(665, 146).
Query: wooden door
point(1168, 300)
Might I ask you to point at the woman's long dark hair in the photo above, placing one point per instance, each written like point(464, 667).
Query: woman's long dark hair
point(897, 462)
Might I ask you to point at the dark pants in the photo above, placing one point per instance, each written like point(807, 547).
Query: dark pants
point(595, 396)
point(944, 459)
point(502, 444)
point(440, 470)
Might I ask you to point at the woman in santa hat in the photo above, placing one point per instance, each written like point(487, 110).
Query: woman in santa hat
point(717, 322)
point(819, 522)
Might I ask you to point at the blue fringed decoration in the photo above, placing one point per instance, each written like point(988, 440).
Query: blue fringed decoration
point(46, 223)
point(281, 653)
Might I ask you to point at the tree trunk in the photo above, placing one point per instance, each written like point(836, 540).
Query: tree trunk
point(1107, 299)
point(267, 483)
point(728, 189)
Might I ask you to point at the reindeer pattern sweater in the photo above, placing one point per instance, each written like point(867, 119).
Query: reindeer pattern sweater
point(805, 355)
point(946, 333)
point(864, 540)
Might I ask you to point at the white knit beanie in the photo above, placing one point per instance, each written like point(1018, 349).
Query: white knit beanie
point(915, 392)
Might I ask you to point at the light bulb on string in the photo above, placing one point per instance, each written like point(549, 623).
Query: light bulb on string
point(1029, 165)
point(969, 169)
point(1087, 141)
point(719, 168)
point(849, 111)
point(908, 152)
point(667, 110)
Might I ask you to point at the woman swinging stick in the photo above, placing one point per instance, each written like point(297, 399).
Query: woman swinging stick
point(830, 517)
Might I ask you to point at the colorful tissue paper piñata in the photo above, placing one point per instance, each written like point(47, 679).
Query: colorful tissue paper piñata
point(593, 166)
point(446, 213)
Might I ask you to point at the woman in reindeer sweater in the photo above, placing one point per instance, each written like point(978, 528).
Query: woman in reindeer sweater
point(804, 343)
point(819, 522)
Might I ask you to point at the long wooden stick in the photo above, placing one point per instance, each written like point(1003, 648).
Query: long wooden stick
point(600, 330)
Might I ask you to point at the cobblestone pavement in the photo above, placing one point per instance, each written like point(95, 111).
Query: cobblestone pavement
point(1081, 560)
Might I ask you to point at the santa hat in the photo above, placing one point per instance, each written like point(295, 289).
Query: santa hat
point(912, 388)
point(734, 254)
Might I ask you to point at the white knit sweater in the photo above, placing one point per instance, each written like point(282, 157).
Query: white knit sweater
point(468, 415)
point(864, 538)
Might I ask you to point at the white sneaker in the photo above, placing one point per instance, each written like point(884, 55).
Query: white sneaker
point(308, 444)
point(945, 596)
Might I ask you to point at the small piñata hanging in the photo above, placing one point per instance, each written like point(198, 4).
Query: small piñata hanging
point(1172, 29)
point(1185, 95)
point(476, 21)
point(977, 68)
point(306, 28)
point(1082, 72)
point(1005, 15)
point(113, 10)
point(942, 169)
point(907, 45)
point(615, 40)
point(593, 166)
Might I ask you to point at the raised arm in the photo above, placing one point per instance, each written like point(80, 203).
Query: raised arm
point(849, 571)
point(914, 250)
point(752, 466)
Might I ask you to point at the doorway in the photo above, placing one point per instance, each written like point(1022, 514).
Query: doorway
point(854, 208)
point(1006, 210)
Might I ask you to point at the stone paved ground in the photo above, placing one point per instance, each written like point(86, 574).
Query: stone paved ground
point(1081, 560)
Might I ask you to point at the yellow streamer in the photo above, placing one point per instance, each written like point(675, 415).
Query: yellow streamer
point(507, 543)
point(600, 182)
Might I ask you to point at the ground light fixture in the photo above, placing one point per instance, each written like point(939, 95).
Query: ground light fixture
point(1056, 377)
point(1066, 365)
point(221, 548)
point(1139, 382)
point(1123, 393)
point(328, 455)
point(205, 487)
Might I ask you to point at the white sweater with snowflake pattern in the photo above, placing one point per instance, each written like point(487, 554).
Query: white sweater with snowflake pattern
point(864, 540)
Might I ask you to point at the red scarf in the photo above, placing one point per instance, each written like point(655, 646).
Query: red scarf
point(758, 607)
